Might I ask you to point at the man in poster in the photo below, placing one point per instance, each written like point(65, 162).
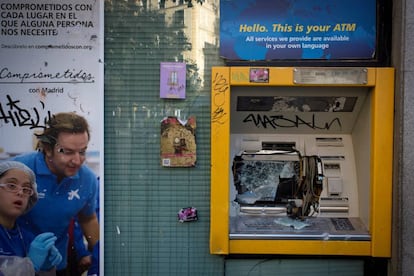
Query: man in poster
point(66, 187)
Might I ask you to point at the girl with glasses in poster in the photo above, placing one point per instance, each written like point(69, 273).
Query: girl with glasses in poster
point(21, 253)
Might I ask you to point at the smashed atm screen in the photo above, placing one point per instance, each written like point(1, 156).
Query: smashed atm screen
point(265, 179)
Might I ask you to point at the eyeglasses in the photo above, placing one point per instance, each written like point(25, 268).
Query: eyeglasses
point(68, 152)
point(13, 188)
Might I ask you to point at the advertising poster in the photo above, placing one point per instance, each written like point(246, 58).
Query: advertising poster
point(300, 29)
point(51, 61)
point(178, 142)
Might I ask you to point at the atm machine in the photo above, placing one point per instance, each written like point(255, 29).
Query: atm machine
point(301, 160)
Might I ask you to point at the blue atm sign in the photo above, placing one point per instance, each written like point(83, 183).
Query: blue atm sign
point(301, 29)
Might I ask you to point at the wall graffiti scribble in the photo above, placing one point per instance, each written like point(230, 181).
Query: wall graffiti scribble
point(12, 113)
point(280, 121)
point(220, 87)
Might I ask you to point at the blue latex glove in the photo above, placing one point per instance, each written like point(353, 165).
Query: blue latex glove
point(52, 260)
point(39, 249)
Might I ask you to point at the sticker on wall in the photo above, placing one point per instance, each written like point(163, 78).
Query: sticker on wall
point(178, 143)
point(172, 80)
point(259, 75)
point(187, 214)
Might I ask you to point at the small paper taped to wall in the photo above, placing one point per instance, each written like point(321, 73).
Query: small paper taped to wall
point(178, 142)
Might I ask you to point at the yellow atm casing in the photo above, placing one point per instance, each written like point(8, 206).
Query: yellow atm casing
point(380, 82)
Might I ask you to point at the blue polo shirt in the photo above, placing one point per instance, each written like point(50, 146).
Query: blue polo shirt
point(58, 202)
point(15, 242)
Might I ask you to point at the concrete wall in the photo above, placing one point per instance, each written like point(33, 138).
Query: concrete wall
point(402, 262)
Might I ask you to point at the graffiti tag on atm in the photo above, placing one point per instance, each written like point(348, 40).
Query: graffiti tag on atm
point(220, 87)
point(12, 113)
point(280, 121)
